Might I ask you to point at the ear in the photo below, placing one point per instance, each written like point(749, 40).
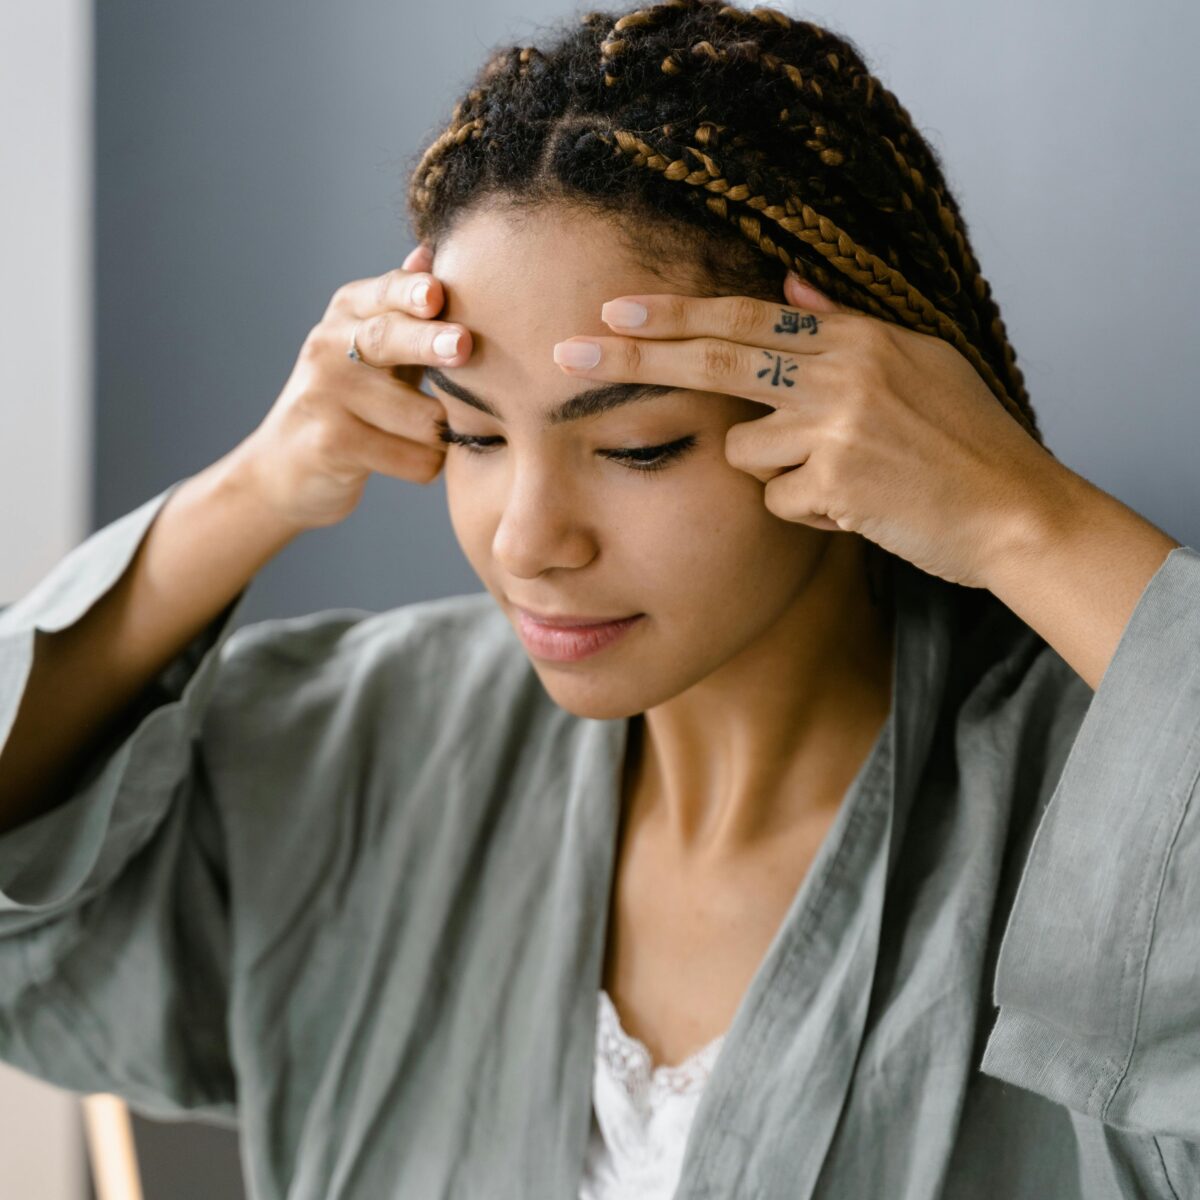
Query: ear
point(803, 295)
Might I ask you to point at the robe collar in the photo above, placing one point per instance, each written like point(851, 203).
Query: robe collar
point(796, 1033)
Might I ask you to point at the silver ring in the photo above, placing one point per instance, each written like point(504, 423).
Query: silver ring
point(353, 352)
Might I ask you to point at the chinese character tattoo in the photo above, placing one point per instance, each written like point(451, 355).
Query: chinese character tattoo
point(778, 372)
point(793, 322)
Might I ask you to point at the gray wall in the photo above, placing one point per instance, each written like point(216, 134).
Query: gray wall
point(45, 444)
point(248, 161)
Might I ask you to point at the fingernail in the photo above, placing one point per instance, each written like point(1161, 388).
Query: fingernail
point(623, 312)
point(576, 354)
point(446, 344)
point(420, 293)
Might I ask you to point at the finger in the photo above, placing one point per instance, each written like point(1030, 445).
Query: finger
point(735, 318)
point(801, 293)
point(397, 290)
point(401, 411)
point(705, 364)
point(390, 339)
point(792, 496)
point(395, 456)
point(420, 258)
point(768, 446)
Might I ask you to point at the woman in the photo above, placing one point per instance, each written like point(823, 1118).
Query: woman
point(709, 899)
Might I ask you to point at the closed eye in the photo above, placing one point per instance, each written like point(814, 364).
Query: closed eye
point(636, 458)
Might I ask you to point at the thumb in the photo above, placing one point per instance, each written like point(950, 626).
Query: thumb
point(803, 295)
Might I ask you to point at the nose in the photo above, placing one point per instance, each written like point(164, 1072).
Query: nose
point(544, 524)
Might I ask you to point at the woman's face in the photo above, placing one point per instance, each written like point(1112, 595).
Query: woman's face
point(552, 521)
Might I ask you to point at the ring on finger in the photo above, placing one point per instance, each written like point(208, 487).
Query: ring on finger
point(354, 352)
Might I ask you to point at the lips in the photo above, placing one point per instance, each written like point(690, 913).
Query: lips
point(570, 621)
point(570, 643)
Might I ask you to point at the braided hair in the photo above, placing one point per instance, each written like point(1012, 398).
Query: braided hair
point(734, 144)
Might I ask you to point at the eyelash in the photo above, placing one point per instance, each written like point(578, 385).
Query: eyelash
point(658, 457)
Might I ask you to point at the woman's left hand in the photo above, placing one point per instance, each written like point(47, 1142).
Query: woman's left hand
point(877, 429)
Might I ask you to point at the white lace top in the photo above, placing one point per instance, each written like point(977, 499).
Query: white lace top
point(640, 1116)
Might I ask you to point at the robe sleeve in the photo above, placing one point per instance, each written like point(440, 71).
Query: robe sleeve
point(1098, 975)
point(114, 913)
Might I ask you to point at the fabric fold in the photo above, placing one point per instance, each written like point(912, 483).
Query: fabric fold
point(1098, 979)
point(114, 918)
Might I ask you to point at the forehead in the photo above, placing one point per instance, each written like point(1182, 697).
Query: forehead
point(543, 269)
point(521, 281)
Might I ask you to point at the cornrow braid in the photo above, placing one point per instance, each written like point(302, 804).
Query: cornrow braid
point(933, 198)
point(462, 125)
point(913, 159)
point(821, 139)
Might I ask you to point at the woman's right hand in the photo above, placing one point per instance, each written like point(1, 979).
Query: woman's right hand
point(338, 420)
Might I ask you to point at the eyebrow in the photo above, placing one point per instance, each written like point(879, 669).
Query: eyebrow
point(589, 403)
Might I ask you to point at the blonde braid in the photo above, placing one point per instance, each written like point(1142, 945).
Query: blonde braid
point(932, 195)
point(643, 19)
point(429, 169)
point(927, 196)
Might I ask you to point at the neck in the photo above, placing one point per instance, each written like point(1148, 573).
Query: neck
point(769, 744)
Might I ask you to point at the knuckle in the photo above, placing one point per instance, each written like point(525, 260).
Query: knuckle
point(839, 443)
point(676, 311)
point(372, 336)
point(859, 394)
point(635, 355)
point(314, 345)
point(839, 437)
point(384, 285)
point(843, 429)
point(744, 317)
point(873, 335)
point(720, 359)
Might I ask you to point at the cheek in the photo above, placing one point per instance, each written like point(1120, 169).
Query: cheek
point(715, 566)
point(469, 511)
point(698, 540)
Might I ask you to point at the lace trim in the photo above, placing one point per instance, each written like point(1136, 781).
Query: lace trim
point(629, 1062)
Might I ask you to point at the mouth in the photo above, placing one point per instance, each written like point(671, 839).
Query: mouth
point(567, 620)
point(570, 637)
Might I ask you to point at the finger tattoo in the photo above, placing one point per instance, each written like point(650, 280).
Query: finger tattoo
point(792, 322)
point(777, 370)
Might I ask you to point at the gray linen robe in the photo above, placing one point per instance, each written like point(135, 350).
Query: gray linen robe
point(342, 881)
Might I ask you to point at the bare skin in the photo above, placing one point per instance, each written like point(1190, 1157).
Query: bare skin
point(688, 929)
point(761, 668)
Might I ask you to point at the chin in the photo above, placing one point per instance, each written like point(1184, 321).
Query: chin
point(589, 698)
point(602, 697)
point(600, 712)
